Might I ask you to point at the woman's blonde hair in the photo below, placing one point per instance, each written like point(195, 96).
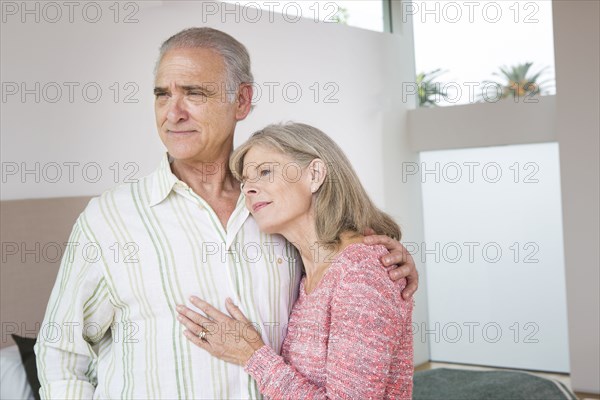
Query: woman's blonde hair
point(341, 203)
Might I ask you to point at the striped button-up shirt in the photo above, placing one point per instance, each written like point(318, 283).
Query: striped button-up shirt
point(110, 329)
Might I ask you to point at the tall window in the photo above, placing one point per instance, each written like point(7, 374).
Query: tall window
point(482, 51)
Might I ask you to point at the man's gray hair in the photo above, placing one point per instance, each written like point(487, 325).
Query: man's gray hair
point(235, 54)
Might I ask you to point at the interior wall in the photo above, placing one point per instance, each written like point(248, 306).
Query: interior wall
point(403, 197)
point(483, 125)
point(576, 33)
point(483, 229)
point(34, 239)
point(323, 74)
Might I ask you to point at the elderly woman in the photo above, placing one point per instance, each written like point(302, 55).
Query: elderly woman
point(349, 333)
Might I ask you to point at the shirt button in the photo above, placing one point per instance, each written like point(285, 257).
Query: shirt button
point(279, 260)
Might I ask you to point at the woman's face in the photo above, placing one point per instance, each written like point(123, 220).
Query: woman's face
point(278, 190)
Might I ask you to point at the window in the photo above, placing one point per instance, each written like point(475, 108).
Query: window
point(482, 51)
point(366, 14)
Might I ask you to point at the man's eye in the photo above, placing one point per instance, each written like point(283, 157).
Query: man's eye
point(265, 172)
point(158, 95)
point(197, 94)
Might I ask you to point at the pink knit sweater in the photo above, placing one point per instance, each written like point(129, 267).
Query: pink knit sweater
point(350, 338)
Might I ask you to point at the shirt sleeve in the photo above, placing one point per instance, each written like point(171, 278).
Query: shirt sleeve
point(363, 339)
point(78, 315)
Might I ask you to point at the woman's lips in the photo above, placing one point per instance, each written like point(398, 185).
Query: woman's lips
point(260, 205)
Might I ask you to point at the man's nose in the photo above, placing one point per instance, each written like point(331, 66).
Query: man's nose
point(176, 111)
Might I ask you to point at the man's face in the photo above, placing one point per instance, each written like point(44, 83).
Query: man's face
point(193, 116)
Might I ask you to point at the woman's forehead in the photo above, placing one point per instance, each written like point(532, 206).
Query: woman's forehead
point(260, 153)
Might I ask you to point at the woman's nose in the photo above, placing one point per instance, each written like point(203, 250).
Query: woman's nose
point(249, 188)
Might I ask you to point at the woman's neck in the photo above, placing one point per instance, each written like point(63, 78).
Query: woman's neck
point(316, 257)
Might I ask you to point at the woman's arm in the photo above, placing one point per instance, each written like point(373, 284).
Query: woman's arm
point(364, 335)
point(234, 339)
point(363, 338)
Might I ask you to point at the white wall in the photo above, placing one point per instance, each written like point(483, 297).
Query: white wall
point(297, 54)
point(482, 124)
point(403, 198)
point(365, 69)
point(493, 234)
point(576, 32)
point(39, 134)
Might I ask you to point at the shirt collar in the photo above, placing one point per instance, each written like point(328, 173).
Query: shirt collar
point(163, 181)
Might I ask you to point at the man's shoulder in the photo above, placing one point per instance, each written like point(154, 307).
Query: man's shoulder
point(129, 194)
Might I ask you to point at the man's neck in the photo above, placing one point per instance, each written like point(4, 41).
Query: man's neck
point(213, 182)
point(206, 178)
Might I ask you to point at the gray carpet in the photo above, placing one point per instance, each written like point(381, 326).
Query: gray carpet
point(459, 384)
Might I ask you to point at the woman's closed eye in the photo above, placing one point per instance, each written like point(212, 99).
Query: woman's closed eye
point(264, 172)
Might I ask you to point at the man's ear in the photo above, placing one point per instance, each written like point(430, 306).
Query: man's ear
point(244, 101)
point(318, 172)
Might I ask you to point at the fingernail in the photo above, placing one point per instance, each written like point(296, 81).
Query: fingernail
point(194, 298)
point(179, 307)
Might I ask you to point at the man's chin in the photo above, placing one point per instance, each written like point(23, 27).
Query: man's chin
point(182, 154)
point(182, 149)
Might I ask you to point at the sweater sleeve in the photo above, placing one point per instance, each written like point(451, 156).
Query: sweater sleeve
point(362, 340)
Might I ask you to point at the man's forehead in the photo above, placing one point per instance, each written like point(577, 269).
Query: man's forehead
point(190, 64)
point(189, 85)
point(190, 56)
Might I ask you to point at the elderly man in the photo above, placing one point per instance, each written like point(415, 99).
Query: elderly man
point(138, 250)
